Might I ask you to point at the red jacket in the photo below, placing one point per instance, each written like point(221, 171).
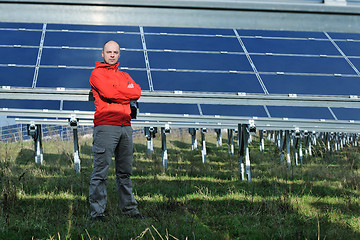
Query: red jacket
point(112, 90)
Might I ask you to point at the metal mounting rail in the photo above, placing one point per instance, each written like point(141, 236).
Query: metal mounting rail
point(330, 16)
point(298, 100)
point(197, 121)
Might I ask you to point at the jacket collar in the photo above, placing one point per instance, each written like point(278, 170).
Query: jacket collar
point(107, 66)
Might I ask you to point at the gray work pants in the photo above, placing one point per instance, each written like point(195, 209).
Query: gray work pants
point(109, 139)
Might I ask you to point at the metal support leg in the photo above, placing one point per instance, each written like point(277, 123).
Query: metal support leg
point(35, 132)
point(279, 137)
point(243, 133)
point(261, 141)
point(356, 140)
point(218, 138)
point(73, 123)
point(328, 141)
point(192, 132)
point(300, 153)
point(336, 142)
point(285, 142)
point(163, 148)
point(288, 159)
point(76, 151)
point(342, 143)
point(296, 144)
point(150, 134)
point(230, 133)
point(306, 145)
point(203, 150)
point(282, 140)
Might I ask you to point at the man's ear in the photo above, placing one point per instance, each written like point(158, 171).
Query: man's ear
point(102, 54)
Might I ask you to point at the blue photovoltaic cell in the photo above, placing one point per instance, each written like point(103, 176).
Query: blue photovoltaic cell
point(233, 110)
point(94, 40)
point(62, 77)
point(168, 108)
point(79, 78)
point(290, 46)
point(193, 43)
point(285, 34)
point(20, 37)
point(199, 61)
point(70, 57)
point(355, 62)
point(79, 105)
point(21, 25)
point(350, 48)
point(32, 104)
point(26, 56)
point(302, 64)
point(132, 59)
point(75, 57)
point(92, 27)
point(300, 112)
point(205, 31)
point(347, 113)
point(16, 77)
point(354, 36)
point(205, 82)
point(317, 85)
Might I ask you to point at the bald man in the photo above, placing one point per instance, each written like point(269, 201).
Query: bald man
point(113, 90)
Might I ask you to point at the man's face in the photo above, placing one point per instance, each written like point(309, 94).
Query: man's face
point(111, 53)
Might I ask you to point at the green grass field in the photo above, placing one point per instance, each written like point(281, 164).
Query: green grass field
point(189, 200)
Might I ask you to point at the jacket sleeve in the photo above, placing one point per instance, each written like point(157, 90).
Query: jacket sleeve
point(115, 93)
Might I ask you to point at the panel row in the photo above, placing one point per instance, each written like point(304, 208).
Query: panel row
point(317, 113)
point(189, 81)
point(182, 43)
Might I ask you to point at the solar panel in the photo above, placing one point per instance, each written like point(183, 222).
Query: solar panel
point(186, 59)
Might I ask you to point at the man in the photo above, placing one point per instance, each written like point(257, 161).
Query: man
point(113, 90)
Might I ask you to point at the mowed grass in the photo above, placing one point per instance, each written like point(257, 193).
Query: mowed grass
point(189, 200)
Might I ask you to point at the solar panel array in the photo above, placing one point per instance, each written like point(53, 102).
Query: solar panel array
point(186, 59)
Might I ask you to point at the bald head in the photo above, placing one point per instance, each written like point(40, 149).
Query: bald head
point(111, 52)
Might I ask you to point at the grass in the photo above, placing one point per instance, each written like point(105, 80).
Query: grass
point(189, 200)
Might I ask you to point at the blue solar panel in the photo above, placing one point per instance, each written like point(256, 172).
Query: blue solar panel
point(62, 77)
point(199, 61)
point(356, 62)
point(224, 110)
point(281, 34)
point(16, 37)
point(12, 55)
point(186, 59)
point(302, 64)
point(92, 39)
point(347, 114)
point(350, 48)
point(317, 85)
point(206, 31)
point(194, 43)
point(78, 105)
point(169, 108)
point(205, 82)
point(290, 46)
point(32, 104)
point(12, 76)
point(21, 25)
point(300, 112)
point(92, 27)
point(354, 36)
